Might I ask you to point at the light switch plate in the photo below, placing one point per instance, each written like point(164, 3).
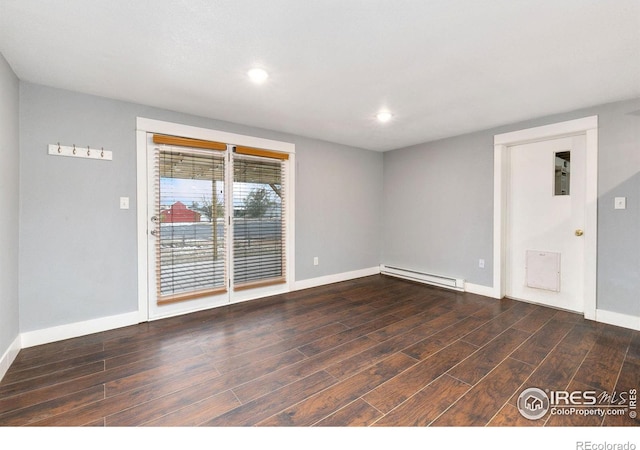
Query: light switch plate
point(620, 203)
point(124, 202)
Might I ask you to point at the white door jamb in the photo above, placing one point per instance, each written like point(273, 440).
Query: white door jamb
point(587, 126)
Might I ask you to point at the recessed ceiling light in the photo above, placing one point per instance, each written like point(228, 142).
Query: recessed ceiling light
point(258, 75)
point(384, 116)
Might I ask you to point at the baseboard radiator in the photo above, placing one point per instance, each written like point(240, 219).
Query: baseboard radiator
point(422, 277)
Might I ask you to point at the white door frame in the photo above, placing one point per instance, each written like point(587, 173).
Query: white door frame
point(144, 126)
point(587, 126)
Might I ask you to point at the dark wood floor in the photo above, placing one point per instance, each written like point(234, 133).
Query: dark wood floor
point(374, 351)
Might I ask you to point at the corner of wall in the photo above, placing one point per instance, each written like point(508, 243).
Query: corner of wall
point(9, 229)
point(336, 278)
point(9, 356)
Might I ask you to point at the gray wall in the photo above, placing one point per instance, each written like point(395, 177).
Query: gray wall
point(78, 249)
point(9, 185)
point(338, 209)
point(618, 238)
point(438, 207)
point(438, 204)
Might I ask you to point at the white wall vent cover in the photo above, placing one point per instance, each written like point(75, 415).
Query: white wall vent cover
point(543, 270)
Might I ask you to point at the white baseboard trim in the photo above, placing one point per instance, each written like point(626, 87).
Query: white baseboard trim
point(618, 319)
point(336, 278)
point(72, 330)
point(480, 290)
point(9, 356)
point(59, 333)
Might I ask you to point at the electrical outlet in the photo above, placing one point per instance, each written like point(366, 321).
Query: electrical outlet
point(620, 203)
point(124, 202)
point(316, 261)
point(481, 263)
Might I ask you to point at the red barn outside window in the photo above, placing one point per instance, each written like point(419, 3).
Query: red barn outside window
point(179, 213)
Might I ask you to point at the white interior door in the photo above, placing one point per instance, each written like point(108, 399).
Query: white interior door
point(545, 222)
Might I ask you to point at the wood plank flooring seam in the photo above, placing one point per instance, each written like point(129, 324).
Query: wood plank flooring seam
point(408, 399)
point(480, 349)
point(450, 405)
point(533, 371)
point(480, 380)
point(549, 351)
point(507, 401)
point(546, 420)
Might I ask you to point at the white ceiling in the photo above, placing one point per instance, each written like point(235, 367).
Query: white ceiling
point(443, 67)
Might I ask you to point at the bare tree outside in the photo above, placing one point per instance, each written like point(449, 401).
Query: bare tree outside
point(210, 208)
point(258, 203)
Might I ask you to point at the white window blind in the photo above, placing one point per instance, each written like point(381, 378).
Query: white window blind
point(190, 217)
point(259, 212)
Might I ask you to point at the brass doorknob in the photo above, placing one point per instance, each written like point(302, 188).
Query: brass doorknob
point(579, 232)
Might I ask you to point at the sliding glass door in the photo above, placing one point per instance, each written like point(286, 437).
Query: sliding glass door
point(217, 225)
point(259, 256)
point(190, 229)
